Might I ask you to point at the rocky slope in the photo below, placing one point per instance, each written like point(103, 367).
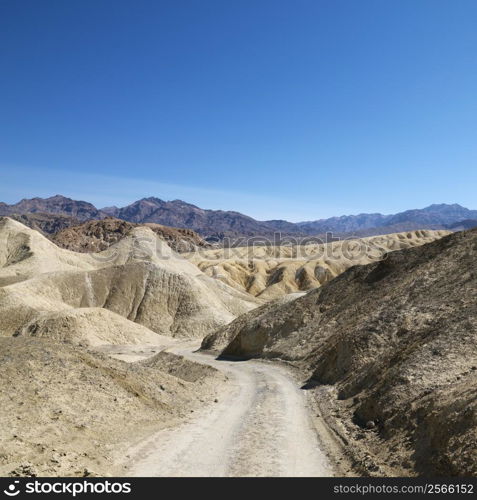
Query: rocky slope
point(251, 322)
point(463, 225)
point(73, 409)
point(98, 235)
point(391, 350)
point(271, 271)
point(46, 224)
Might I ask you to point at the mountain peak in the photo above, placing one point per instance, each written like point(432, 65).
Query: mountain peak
point(151, 199)
point(444, 206)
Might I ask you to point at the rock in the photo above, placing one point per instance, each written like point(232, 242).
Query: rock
point(24, 470)
point(88, 473)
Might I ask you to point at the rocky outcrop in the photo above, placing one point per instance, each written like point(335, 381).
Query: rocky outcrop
point(46, 224)
point(98, 235)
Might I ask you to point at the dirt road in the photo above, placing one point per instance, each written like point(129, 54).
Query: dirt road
point(260, 426)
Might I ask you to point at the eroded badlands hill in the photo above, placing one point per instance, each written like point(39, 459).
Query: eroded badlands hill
point(392, 347)
point(270, 271)
point(139, 279)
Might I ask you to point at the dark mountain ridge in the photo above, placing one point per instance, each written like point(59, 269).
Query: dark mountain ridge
point(58, 204)
point(219, 224)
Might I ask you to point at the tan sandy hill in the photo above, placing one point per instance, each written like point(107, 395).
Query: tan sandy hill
point(25, 253)
point(89, 326)
point(270, 271)
point(98, 235)
point(65, 410)
point(139, 278)
point(392, 349)
point(180, 367)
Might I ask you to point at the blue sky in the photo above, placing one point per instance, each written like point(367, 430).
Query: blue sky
point(296, 109)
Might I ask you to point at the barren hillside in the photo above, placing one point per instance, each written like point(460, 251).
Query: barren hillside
point(391, 348)
point(47, 224)
point(98, 235)
point(74, 410)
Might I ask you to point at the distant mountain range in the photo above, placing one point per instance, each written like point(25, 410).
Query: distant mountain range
point(58, 204)
point(219, 224)
point(432, 217)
